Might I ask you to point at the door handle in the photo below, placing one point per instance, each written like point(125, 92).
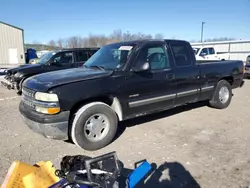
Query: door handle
point(170, 76)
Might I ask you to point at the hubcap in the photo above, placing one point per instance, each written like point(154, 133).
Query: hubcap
point(96, 127)
point(223, 94)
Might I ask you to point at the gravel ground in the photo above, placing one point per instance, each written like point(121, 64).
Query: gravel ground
point(193, 146)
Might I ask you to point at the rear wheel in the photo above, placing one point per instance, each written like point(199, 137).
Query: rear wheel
point(94, 126)
point(222, 95)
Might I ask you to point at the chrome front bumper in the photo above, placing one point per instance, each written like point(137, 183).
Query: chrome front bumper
point(50, 126)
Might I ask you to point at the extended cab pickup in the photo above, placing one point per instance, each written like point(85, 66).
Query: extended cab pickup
point(247, 68)
point(122, 81)
point(209, 53)
point(52, 61)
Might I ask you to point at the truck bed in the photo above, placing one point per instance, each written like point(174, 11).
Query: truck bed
point(212, 70)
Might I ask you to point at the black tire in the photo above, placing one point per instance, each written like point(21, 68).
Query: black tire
point(215, 102)
point(19, 91)
point(83, 114)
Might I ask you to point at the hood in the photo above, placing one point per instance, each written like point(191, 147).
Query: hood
point(43, 82)
point(24, 68)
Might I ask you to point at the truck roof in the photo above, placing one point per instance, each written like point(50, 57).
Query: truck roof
point(135, 42)
point(74, 49)
point(202, 46)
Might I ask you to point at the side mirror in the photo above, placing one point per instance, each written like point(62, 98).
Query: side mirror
point(142, 67)
point(203, 54)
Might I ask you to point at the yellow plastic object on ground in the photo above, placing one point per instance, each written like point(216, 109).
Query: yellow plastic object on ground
point(22, 175)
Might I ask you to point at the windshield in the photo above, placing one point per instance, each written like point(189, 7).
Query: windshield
point(196, 50)
point(111, 57)
point(46, 57)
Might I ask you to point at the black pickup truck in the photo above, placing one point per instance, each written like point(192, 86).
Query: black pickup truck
point(52, 61)
point(122, 81)
point(247, 68)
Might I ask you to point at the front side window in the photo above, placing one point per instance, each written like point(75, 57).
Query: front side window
point(204, 52)
point(111, 57)
point(63, 58)
point(155, 56)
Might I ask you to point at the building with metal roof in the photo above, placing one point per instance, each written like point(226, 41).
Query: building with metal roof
point(237, 49)
point(11, 45)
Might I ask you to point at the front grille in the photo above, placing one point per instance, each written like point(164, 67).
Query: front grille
point(28, 96)
point(28, 93)
point(28, 102)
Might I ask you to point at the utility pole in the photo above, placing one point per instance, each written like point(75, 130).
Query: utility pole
point(202, 26)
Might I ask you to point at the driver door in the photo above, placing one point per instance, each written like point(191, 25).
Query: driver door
point(204, 53)
point(151, 90)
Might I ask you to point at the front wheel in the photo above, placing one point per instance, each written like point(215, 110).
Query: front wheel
point(19, 89)
point(94, 126)
point(222, 95)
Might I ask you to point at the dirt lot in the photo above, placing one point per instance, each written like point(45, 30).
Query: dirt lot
point(193, 146)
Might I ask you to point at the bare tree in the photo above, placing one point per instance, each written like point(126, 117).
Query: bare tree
point(92, 41)
point(116, 35)
point(36, 42)
point(159, 36)
point(127, 36)
point(60, 43)
point(52, 43)
point(97, 40)
point(102, 40)
point(74, 42)
point(84, 42)
point(147, 36)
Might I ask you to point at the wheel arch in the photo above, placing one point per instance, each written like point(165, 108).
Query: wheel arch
point(230, 79)
point(110, 100)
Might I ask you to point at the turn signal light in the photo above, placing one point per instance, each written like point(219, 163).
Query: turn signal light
point(53, 110)
point(43, 110)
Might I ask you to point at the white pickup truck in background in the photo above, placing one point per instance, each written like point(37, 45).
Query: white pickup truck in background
point(209, 53)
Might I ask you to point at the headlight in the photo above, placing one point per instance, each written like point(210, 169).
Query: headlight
point(18, 75)
point(47, 97)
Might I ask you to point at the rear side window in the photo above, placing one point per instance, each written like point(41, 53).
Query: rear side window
point(82, 56)
point(181, 54)
point(91, 52)
point(211, 51)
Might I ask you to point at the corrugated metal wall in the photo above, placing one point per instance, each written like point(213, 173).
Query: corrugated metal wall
point(11, 46)
point(239, 50)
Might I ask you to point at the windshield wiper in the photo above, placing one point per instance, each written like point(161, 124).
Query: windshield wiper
point(96, 66)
